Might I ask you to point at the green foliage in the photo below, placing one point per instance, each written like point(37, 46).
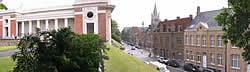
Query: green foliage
point(236, 24)
point(115, 31)
point(61, 51)
point(2, 6)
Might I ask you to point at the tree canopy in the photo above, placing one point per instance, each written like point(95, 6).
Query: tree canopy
point(2, 6)
point(115, 31)
point(59, 51)
point(235, 22)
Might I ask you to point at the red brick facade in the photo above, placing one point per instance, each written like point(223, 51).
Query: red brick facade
point(78, 9)
point(13, 28)
point(102, 27)
point(1, 29)
point(78, 24)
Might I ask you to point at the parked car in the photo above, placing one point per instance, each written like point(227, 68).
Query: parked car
point(162, 60)
point(133, 48)
point(173, 63)
point(137, 47)
point(191, 68)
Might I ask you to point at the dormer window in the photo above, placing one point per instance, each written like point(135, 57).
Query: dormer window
point(179, 28)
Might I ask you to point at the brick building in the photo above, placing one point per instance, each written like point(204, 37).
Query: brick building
point(204, 46)
point(84, 16)
point(168, 38)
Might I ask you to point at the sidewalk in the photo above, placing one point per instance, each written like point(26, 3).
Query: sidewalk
point(8, 52)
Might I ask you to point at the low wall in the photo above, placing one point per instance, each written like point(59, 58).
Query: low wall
point(8, 42)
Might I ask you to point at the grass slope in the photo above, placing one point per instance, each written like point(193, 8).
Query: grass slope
point(122, 62)
point(6, 64)
point(2, 48)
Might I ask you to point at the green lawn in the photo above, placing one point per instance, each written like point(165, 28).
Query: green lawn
point(116, 43)
point(123, 62)
point(7, 47)
point(6, 64)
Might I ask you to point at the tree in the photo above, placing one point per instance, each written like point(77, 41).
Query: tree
point(59, 51)
point(2, 6)
point(235, 22)
point(115, 31)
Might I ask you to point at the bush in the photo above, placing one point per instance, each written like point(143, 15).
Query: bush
point(59, 51)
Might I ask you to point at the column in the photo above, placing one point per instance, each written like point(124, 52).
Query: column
point(46, 24)
point(16, 28)
point(30, 27)
point(56, 24)
point(38, 24)
point(66, 24)
point(22, 33)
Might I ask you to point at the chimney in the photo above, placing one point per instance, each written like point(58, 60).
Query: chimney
point(166, 20)
point(198, 11)
point(191, 16)
point(178, 17)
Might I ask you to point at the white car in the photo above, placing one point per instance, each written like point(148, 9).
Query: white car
point(163, 60)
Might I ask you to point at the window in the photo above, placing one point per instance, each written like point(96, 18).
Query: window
point(212, 58)
point(219, 41)
point(187, 55)
point(204, 40)
point(90, 27)
point(219, 59)
point(198, 57)
point(179, 28)
point(192, 40)
point(6, 21)
point(234, 46)
point(212, 41)
point(192, 56)
point(235, 61)
point(198, 40)
point(186, 40)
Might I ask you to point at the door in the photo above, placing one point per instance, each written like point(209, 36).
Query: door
point(204, 61)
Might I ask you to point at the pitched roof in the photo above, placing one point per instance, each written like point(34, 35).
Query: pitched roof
point(206, 19)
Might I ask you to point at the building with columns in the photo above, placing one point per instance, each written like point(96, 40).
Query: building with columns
point(84, 16)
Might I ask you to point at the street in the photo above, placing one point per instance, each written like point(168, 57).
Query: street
point(141, 54)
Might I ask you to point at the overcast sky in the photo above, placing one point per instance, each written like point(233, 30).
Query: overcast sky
point(130, 13)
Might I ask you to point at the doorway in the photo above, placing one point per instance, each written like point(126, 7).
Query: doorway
point(204, 61)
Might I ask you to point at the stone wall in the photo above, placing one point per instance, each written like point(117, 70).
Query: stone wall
point(8, 42)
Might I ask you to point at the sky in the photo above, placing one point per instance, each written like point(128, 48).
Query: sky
point(130, 13)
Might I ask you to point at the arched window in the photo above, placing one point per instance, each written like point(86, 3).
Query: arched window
point(179, 28)
point(203, 40)
point(212, 41)
point(219, 41)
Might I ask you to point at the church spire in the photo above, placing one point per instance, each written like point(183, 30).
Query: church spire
point(155, 10)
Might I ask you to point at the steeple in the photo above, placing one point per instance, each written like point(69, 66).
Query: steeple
point(155, 10)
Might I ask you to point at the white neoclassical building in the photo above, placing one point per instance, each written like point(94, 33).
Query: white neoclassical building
point(84, 16)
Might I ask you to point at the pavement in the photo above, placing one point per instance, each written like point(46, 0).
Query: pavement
point(8, 52)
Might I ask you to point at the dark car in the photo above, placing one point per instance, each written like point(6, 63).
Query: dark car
point(191, 68)
point(173, 63)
